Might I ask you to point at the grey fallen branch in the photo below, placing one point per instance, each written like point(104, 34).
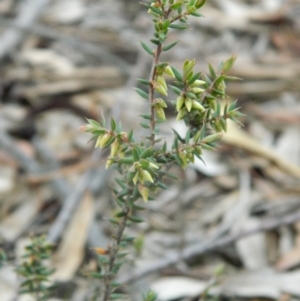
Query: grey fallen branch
point(202, 247)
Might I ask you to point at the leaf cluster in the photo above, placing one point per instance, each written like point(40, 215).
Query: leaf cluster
point(33, 269)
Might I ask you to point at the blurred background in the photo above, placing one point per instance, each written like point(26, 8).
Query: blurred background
point(231, 225)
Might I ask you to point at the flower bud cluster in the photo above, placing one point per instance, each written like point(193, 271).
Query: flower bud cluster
point(114, 138)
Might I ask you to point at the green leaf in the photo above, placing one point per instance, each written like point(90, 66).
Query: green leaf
point(135, 219)
point(166, 25)
point(220, 79)
point(94, 123)
point(135, 154)
point(194, 78)
point(176, 90)
point(178, 26)
point(129, 238)
point(142, 93)
point(115, 284)
point(147, 48)
point(113, 124)
point(145, 125)
point(232, 78)
point(125, 160)
point(207, 79)
point(187, 136)
point(225, 109)
point(146, 153)
point(135, 207)
point(224, 124)
point(162, 185)
point(130, 176)
point(156, 10)
point(176, 5)
point(120, 202)
point(122, 254)
point(117, 296)
point(162, 37)
point(195, 14)
point(207, 146)
point(199, 135)
point(122, 193)
point(218, 92)
point(212, 138)
point(232, 106)
point(199, 3)
point(146, 116)
point(114, 221)
point(212, 71)
point(169, 46)
point(144, 81)
point(119, 127)
point(227, 65)
point(218, 110)
point(130, 135)
point(191, 95)
point(120, 214)
point(176, 142)
point(178, 136)
point(155, 41)
point(177, 74)
point(200, 157)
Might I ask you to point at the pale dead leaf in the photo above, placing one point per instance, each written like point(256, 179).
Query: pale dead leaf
point(252, 249)
point(48, 59)
point(7, 177)
point(66, 12)
point(171, 288)
point(69, 255)
point(239, 138)
point(263, 283)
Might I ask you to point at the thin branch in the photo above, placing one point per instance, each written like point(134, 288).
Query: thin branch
point(114, 250)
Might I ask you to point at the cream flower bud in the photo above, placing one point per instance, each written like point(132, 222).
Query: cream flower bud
point(160, 89)
point(182, 113)
point(168, 70)
point(188, 104)
point(198, 83)
point(179, 103)
point(197, 90)
point(144, 191)
point(197, 106)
